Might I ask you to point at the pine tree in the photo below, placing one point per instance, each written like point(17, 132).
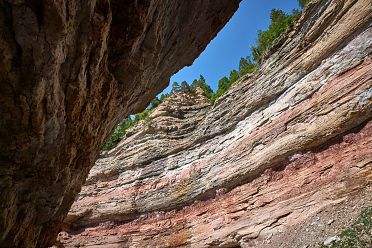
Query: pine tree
point(201, 83)
point(154, 103)
point(185, 87)
point(195, 83)
point(234, 76)
point(223, 85)
point(206, 88)
point(246, 65)
point(280, 21)
point(303, 3)
point(175, 88)
point(163, 97)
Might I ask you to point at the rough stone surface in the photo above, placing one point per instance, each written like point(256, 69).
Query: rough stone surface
point(69, 72)
point(275, 153)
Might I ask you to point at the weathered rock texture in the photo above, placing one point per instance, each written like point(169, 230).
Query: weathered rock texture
point(282, 146)
point(69, 71)
point(172, 127)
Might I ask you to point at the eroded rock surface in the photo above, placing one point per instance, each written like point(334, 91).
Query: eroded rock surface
point(172, 127)
point(275, 153)
point(69, 72)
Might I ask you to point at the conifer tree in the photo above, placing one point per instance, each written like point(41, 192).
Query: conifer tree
point(303, 3)
point(185, 87)
point(175, 88)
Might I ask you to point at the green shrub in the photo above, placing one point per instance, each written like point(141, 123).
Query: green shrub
point(118, 133)
point(359, 234)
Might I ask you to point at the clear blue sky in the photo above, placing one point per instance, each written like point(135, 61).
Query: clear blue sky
point(232, 42)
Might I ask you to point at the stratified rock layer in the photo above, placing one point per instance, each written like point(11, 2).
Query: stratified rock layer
point(281, 147)
point(69, 72)
point(284, 207)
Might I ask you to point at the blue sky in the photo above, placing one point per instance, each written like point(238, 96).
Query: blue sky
point(232, 42)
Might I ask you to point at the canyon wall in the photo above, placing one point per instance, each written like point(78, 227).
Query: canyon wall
point(283, 159)
point(69, 72)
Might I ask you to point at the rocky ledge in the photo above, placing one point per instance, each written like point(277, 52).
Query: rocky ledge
point(283, 159)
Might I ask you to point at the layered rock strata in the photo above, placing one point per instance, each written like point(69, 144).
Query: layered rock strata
point(282, 147)
point(170, 128)
point(69, 72)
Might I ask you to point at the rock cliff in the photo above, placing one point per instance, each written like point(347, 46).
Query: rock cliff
point(283, 159)
point(69, 72)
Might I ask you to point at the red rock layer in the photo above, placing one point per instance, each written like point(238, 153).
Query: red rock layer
point(255, 212)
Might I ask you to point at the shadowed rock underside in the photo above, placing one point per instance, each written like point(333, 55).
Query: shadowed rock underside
point(69, 72)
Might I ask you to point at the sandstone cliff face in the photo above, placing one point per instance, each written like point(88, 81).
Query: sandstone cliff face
point(284, 148)
point(172, 127)
point(69, 72)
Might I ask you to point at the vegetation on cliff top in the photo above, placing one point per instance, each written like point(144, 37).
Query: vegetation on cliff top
point(280, 22)
point(131, 121)
point(303, 3)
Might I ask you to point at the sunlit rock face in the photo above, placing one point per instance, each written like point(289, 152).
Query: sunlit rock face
point(171, 128)
point(69, 72)
point(283, 159)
